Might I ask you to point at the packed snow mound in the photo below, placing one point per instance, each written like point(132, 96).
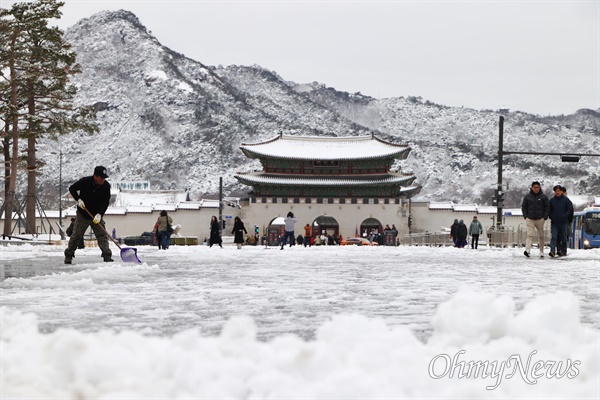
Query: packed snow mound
point(542, 351)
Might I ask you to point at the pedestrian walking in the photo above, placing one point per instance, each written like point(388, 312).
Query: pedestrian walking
point(92, 194)
point(164, 230)
point(215, 234)
point(461, 234)
point(561, 210)
point(290, 224)
point(395, 231)
point(475, 229)
point(569, 221)
point(454, 232)
point(536, 209)
point(238, 232)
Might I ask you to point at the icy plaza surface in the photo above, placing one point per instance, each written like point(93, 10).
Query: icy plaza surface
point(320, 323)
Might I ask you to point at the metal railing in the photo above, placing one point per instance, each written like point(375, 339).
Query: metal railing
point(503, 237)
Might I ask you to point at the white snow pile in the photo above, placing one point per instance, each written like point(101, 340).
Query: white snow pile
point(480, 348)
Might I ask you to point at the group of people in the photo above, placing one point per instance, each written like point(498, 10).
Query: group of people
point(459, 232)
point(92, 194)
point(537, 208)
point(215, 232)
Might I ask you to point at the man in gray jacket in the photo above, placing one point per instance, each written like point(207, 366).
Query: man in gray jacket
point(475, 229)
point(536, 208)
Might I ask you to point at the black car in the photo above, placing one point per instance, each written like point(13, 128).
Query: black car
point(146, 238)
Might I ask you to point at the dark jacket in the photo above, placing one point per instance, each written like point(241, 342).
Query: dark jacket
point(535, 206)
point(561, 209)
point(454, 230)
point(461, 231)
point(96, 198)
point(215, 238)
point(238, 231)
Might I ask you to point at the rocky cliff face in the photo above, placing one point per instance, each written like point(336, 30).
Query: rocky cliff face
point(179, 123)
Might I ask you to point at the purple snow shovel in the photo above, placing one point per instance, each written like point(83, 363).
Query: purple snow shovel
point(128, 254)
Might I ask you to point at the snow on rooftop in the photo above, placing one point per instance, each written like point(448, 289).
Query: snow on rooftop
point(441, 205)
point(189, 206)
point(288, 180)
point(325, 148)
point(508, 212)
point(139, 209)
point(116, 211)
point(126, 198)
point(209, 203)
point(465, 207)
point(166, 207)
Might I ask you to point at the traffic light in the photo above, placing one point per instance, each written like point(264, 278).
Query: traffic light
point(256, 230)
point(409, 221)
point(223, 224)
point(498, 199)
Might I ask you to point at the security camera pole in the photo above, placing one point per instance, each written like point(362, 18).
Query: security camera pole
point(499, 195)
point(220, 205)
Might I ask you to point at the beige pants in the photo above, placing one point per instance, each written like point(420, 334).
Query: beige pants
point(537, 224)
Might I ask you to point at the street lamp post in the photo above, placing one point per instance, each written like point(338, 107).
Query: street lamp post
point(60, 221)
point(499, 202)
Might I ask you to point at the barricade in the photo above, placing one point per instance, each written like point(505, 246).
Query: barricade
point(389, 239)
point(436, 239)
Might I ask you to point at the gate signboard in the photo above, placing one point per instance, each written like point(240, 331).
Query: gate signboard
point(273, 237)
point(389, 238)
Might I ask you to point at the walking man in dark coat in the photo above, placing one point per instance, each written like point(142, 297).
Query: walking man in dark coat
point(561, 209)
point(92, 194)
point(535, 208)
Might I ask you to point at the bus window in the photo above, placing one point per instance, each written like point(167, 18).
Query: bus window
point(592, 224)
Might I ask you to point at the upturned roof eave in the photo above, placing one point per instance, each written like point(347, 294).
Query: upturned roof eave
point(275, 181)
point(400, 155)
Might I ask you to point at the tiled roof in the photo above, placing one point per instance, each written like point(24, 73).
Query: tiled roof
point(325, 148)
point(253, 178)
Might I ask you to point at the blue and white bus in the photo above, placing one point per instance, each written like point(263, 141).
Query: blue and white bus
point(585, 231)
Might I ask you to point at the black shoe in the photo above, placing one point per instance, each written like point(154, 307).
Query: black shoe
point(526, 253)
point(108, 259)
point(551, 254)
point(68, 259)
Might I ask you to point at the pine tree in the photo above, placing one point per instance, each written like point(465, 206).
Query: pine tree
point(43, 65)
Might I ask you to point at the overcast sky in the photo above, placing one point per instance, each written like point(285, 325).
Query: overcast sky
point(541, 57)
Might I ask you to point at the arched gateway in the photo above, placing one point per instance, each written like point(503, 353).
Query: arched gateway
point(369, 225)
point(325, 225)
point(320, 177)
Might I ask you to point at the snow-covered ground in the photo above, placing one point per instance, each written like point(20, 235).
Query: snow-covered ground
point(321, 322)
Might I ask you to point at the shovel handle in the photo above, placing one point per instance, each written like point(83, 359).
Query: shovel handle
point(102, 227)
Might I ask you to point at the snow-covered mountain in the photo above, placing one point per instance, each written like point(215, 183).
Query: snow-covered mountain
point(179, 123)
